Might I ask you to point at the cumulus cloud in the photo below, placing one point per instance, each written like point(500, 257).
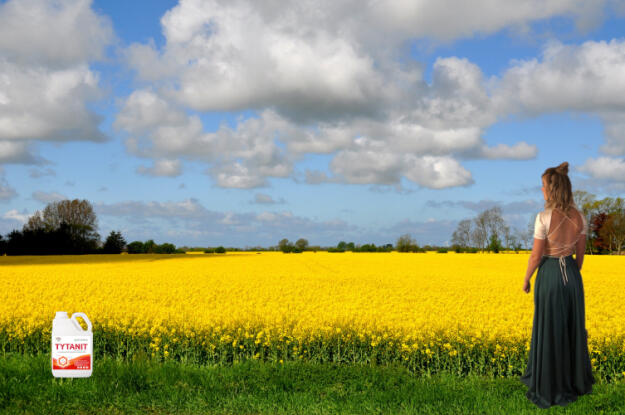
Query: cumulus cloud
point(17, 216)
point(586, 78)
point(328, 78)
point(44, 87)
point(17, 152)
point(605, 168)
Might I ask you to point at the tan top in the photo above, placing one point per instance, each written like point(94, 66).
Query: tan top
point(562, 238)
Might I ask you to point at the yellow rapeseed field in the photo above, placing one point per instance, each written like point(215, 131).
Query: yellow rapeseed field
point(432, 311)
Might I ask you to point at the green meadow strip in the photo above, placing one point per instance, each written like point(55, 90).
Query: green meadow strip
point(424, 357)
point(254, 387)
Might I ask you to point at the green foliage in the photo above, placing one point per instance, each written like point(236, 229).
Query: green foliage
point(406, 244)
point(494, 244)
point(301, 244)
point(115, 243)
point(150, 247)
point(286, 246)
point(165, 248)
point(220, 250)
point(331, 249)
point(136, 247)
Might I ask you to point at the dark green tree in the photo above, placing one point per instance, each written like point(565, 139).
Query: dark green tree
point(494, 244)
point(301, 244)
point(136, 247)
point(285, 245)
point(114, 244)
point(149, 246)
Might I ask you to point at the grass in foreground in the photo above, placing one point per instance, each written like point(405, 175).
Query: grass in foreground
point(27, 386)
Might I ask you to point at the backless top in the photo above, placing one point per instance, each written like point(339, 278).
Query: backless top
point(563, 236)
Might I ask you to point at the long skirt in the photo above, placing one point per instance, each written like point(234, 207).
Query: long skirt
point(558, 368)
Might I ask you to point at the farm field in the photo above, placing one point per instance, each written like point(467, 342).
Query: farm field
point(429, 312)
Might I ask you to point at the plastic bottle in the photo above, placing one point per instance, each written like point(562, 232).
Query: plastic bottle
point(72, 346)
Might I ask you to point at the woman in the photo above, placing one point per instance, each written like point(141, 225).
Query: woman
point(558, 367)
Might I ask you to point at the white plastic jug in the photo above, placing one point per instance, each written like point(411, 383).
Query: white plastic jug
point(72, 346)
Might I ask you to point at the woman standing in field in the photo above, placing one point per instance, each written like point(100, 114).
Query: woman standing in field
point(558, 368)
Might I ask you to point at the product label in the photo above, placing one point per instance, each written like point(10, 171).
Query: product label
point(71, 352)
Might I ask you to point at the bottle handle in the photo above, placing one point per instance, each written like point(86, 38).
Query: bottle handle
point(84, 316)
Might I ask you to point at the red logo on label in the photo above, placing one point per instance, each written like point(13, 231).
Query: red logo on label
point(63, 361)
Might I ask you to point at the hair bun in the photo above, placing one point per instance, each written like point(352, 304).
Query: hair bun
point(563, 168)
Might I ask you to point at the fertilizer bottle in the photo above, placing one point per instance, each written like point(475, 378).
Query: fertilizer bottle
point(72, 347)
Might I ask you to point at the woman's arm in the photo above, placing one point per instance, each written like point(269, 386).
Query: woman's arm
point(535, 257)
point(580, 248)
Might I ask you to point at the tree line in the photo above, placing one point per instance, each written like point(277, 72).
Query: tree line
point(70, 227)
point(488, 231)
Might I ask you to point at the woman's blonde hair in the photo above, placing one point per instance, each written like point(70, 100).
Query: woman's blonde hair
point(558, 187)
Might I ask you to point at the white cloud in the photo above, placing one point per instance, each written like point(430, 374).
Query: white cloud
point(15, 215)
point(518, 151)
point(45, 87)
point(17, 152)
point(324, 77)
point(585, 78)
point(605, 168)
point(164, 167)
point(32, 31)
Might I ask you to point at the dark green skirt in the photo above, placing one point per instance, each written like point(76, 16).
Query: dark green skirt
point(558, 368)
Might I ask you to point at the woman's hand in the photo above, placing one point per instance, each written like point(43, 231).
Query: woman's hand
point(526, 285)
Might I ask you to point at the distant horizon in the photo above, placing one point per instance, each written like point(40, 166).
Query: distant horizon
point(207, 123)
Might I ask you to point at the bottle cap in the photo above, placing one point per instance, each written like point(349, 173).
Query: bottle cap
point(61, 314)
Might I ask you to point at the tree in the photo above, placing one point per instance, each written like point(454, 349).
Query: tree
point(301, 244)
point(613, 231)
point(71, 225)
point(494, 244)
point(78, 214)
point(479, 234)
point(596, 225)
point(405, 243)
point(285, 246)
point(587, 204)
point(165, 248)
point(114, 243)
point(462, 235)
point(527, 236)
point(149, 246)
point(494, 222)
point(507, 237)
point(515, 242)
point(136, 247)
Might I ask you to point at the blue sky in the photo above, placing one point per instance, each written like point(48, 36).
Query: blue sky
point(241, 123)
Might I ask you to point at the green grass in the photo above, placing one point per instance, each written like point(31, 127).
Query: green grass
point(27, 386)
